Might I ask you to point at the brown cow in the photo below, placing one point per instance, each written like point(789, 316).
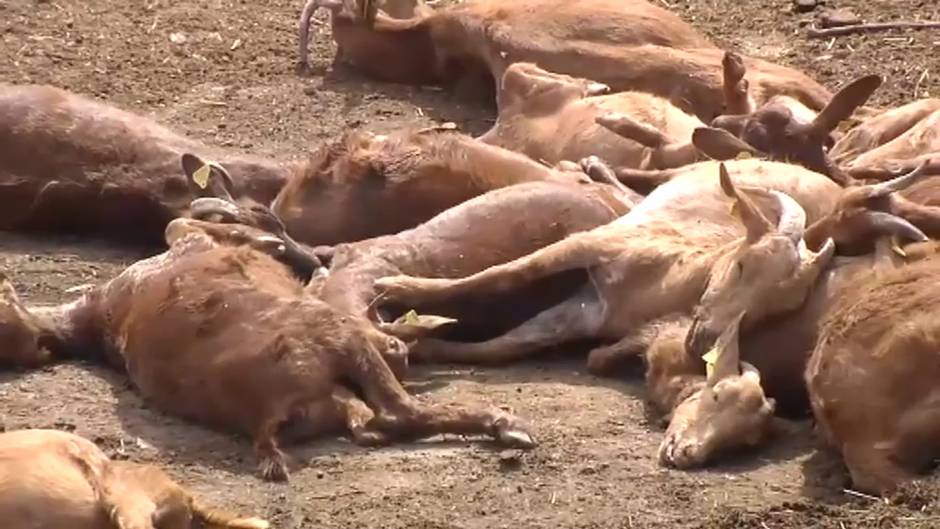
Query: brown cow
point(490, 229)
point(628, 45)
point(415, 46)
point(728, 408)
point(553, 117)
point(71, 163)
point(217, 331)
point(365, 185)
point(55, 479)
point(679, 250)
point(873, 376)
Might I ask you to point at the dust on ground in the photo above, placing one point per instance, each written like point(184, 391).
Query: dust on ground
point(223, 71)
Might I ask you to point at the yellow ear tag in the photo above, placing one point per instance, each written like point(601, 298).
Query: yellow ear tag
point(410, 317)
point(733, 210)
point(743, 155)
point(710, 358)
point(201, 176)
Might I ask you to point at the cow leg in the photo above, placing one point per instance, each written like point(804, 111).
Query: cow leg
point(400, 416)
point(580, 250)
point(576, 318)
point(607, 360)
point(872, 470)
point(272, 461)
point(357, 416)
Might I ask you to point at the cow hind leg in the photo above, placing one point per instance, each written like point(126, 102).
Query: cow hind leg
point(574, 319)
point(580, 250)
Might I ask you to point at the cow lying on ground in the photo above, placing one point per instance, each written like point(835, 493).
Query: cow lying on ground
point(412, 49)
point(55, 479)
point(710, 413)
point(217, 331)
point(629, 45)
point(679, 250)
point(71, 163)
point(880, 340)
point(365, 185)
point(553, 117)
point(468, 238)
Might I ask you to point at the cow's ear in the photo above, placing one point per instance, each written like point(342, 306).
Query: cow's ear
point(207, 178)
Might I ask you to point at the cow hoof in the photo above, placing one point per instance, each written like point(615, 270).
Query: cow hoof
point(516, 439)
point(596, 89)
point(508, 433)
point(274, 469)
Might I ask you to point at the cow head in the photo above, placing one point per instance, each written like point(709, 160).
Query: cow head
point(864, 214)
point(783, 129)
point(728, 412)
point(769, 272)
point(216, 202)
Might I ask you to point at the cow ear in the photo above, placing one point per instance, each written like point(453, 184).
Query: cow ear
point(412, 326)
point(207, 178)
point(721, 145)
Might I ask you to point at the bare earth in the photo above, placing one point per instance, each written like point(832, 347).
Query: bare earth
point(232, 82)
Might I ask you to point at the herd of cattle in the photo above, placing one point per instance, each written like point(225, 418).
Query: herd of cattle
point(762, 245)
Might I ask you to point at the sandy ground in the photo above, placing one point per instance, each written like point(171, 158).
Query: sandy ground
point(231, 82)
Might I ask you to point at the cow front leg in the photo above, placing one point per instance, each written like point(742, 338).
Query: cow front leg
point(579, 250)
point(399, 415)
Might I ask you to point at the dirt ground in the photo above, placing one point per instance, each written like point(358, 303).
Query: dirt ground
point(227, 77)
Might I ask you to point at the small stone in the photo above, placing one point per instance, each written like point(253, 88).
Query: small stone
point(834, 18)
point(510, 459)
point(805, 6)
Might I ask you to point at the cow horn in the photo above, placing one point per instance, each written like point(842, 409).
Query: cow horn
point(792, 221)
point(206, 206)
point(748, 368)
point(901, 182)
point(888, 224)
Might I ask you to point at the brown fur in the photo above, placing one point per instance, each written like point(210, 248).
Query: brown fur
point(71, 163)
point(250, 351)
point(56, 479)
point(627, 45)
point(365, 185)
point(881, 340)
